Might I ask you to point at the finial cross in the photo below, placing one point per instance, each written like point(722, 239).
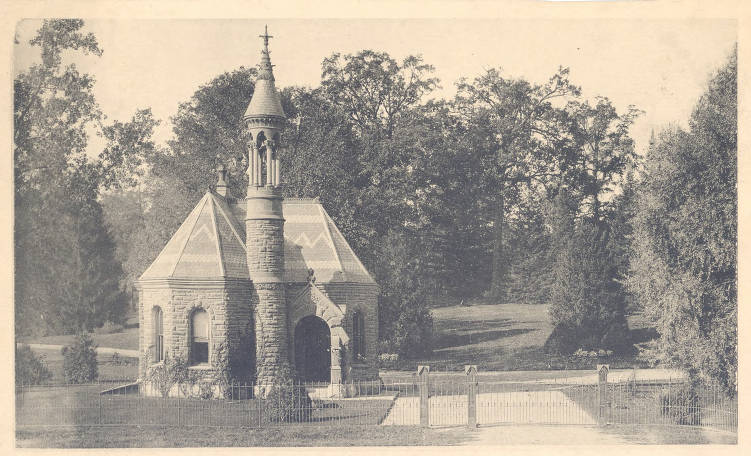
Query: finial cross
point(265, 37)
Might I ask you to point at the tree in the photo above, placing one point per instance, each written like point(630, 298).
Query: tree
point(516, 123)
point(208, 130)
point(374, 89)
point(587, 305)
point(405, 321)
point(683, 265)
point(66, 274)
point(129, 148)
point(603, 151)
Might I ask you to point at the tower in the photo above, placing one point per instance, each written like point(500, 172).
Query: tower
point(264, 224)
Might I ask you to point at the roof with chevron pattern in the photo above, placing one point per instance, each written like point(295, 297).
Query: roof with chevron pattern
point(211, 244)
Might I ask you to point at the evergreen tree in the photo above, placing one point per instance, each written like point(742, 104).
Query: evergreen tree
point(684, 261)
point(587, 302)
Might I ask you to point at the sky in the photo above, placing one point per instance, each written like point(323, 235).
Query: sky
point(660, 66)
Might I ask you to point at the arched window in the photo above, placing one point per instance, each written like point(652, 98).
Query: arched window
point(358, 336)
point(199, 343)
point(158, 340)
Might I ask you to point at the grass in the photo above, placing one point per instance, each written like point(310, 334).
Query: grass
point(124, 340)
point(507, 337)
point(278, 436)
point(641, 405)
point(108, 370)
point(495, 337)
point(82, 405)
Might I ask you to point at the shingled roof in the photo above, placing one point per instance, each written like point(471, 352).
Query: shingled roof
point(312, 241)
point(211, 244)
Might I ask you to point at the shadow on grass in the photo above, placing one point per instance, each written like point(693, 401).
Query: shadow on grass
point(639, 335)
point(450, 339)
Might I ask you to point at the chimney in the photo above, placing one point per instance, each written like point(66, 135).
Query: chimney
point(221, 185)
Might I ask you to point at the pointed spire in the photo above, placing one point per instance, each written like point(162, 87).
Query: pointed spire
point(266, 100)
point(265, 68)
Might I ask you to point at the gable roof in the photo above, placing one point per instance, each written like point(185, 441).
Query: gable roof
point(211, 243)
point(208, 244)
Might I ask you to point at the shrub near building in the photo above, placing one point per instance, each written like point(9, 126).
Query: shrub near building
point(79, 360)
point(31, 369)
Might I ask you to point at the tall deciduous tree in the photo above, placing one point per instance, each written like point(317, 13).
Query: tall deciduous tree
point(517, 125)
point(603, 151)
point(207, 131)
point(683, 267)
point(374, 89)
point(66, 276)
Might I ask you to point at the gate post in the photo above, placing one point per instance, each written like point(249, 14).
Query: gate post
point(423, 372)
point(602, 392)
point(471, 372)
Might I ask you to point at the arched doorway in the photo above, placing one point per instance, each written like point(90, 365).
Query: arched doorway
point(313, 350)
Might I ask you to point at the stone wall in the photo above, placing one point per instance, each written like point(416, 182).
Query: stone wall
point(228, 305)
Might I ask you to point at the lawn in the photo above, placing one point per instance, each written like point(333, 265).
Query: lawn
point(276, 436)
point(495, 337)
point(506, 337)
point(109, 368)
point(124, 340)
point(82, 405)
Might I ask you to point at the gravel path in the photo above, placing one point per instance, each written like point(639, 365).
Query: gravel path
point(99, 350)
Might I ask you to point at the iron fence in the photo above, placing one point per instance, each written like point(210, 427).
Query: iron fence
point(428, 399)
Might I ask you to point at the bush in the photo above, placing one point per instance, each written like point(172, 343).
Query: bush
point(109, 328)
point(79, 360)
point(170, 372)
point(288, 402)
point(31, 369)
point(388, 360)
point(681, 404)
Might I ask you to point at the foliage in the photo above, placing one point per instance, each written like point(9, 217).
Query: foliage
point(604, 151)
point(208, 130)
point(516, 126)
point(79, 360)
point(165, 375)
point(286, 400)
point(67, 276)
point(31, 369)
point(374, 89)
point(587, 305)
point(683, 267)
point(403, 312)
point(681, 404)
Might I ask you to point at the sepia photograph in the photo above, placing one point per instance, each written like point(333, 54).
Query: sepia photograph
point(369, 231)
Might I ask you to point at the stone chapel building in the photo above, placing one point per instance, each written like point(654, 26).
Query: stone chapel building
point(278, 266)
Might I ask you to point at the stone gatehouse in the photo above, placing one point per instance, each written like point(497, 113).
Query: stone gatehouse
point(275, 271)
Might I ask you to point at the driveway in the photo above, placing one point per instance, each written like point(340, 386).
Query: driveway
point(529, 407)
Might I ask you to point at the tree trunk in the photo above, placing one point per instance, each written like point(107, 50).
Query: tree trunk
point(499, 260)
